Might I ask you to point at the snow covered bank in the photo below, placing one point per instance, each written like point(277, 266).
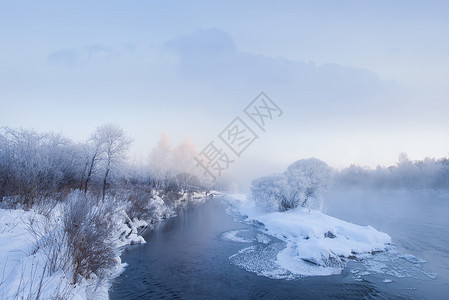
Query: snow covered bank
point(37, 257)
point(25, 269)
point(131, 230)
point(315, 243)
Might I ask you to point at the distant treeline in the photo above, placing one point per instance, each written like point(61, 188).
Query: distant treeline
point(429, 173)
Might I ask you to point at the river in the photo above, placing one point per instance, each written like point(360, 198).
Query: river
point(186, 257)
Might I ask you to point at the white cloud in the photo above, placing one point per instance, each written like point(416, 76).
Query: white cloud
point(210, 57)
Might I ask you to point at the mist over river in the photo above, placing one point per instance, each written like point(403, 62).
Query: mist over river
point(188, 256)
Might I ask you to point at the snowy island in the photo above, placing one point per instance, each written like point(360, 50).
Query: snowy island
point(288, 207)
point(316, 244)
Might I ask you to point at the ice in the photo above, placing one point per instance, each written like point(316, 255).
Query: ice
point(387, 281)
point(314, 241)
point(392, 263)
point(303, 242)
point(262, 238)
point(290, 261)
point(412, 259)
point(261, 259)
point(234, 236)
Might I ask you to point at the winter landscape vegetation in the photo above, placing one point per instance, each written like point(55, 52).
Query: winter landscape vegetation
point(224, 150)
point(68, 209)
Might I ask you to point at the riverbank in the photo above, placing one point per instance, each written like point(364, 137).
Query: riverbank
point(36, 263)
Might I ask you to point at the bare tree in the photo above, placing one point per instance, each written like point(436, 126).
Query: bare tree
point(115, 144)
point(93, 153)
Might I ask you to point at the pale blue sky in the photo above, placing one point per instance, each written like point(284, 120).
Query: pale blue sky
point(359, 81)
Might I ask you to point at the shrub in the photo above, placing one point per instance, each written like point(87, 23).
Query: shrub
point(90, 226)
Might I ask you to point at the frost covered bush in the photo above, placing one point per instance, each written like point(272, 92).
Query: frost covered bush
point(302, 184)
point(159, 209)
point(270, 191)
point(90, 227)
point(144, 204)
point(138, 205)
point(35, 165)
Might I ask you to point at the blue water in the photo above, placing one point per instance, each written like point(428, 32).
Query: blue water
point(186, 257)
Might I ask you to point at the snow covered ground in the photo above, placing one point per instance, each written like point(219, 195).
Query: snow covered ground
point(26, 271)
point(27, 239)
point(310, 243)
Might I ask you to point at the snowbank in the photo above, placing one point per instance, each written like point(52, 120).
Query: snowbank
point(316, 244)
point(24, 265)
point(28, 239)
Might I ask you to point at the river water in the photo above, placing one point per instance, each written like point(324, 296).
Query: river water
point(188, 256)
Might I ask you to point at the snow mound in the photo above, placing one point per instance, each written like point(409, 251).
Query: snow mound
point(320, 239)
point(130, 232)
point(305, 242)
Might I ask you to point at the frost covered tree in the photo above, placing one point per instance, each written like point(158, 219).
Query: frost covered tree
point(115, 144)
point(105, 150)
point(302, 184)
point(308, 180)
point(161, 162)
point(35, 165)
point(93, 154)
point(429, 173)
point(184, 166)
point(183, 156)
point(269, 192)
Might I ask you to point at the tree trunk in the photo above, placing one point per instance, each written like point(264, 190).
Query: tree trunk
point(89, 174)
point(104, 181)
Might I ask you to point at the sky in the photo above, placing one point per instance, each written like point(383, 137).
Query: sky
point(357, 81)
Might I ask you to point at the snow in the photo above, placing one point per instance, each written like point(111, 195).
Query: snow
point(130, 232)
point(23, 259)
point(25, 235)
point(234, 236)
point(23, 264)
point(307, 229)
point(314, 243)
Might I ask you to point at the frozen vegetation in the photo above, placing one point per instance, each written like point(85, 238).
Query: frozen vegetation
point(287, 207)
point(74, 251)
point(315, 243)
point(67, 209)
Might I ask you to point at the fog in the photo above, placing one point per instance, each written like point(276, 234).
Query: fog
point(224, 119)
point(352, 88)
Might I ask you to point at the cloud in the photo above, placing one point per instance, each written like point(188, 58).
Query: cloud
point(210, 57)
point(85, 55)
point(64, 57)
point(211, 41)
